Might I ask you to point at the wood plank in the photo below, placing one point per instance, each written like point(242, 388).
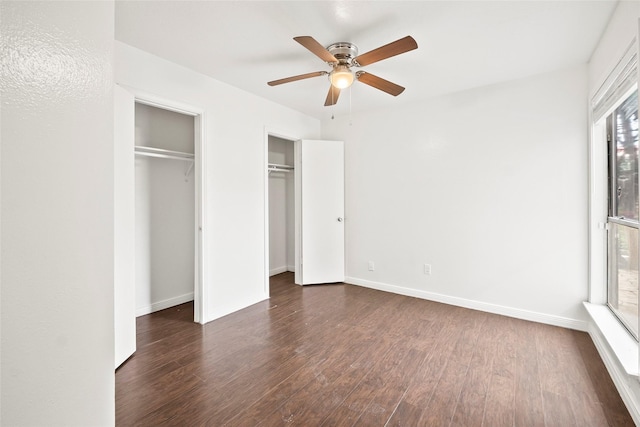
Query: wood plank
point(331, 383)
point(415, 404)
point(471, 402)
point(222, 402)
point(557, 410)
point(392, 383)
point(529, 410)
point(279, 394)
point(136, 403)
point(441, 407)
point(390, 372)
point(500, 405)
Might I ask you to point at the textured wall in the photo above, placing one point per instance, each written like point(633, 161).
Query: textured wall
point(57, 214)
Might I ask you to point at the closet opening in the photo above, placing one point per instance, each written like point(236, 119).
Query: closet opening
point(281, 226)
point(167, 204)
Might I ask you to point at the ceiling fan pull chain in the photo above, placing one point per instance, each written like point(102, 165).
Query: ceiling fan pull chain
point(350, 115)
point(333, 106)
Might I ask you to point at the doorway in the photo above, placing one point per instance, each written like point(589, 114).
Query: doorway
point(315, 210)
point(192, 169)
point(281, 205)
point(164, 208)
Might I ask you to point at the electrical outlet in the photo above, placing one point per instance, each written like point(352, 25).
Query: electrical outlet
point(372, 266)
point(427, 269)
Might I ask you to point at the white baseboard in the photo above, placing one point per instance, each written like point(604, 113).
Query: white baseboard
point(277, 270)
point(533, 316)
point(223, 311)
point(161, 305)
point(283, 269)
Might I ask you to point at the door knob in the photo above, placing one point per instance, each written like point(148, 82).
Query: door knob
point(340, 219)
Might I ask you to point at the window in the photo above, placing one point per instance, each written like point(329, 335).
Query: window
point(623, 211)
point(613, 214)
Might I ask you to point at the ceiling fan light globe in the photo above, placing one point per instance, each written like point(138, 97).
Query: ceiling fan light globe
point(341, 78)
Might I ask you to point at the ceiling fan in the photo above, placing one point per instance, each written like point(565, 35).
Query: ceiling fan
point(342, 57)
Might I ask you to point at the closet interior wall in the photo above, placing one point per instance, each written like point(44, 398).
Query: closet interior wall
point(165, 211)
point(281, 208)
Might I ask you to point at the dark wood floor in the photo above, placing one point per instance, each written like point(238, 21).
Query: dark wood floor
point(341, 355)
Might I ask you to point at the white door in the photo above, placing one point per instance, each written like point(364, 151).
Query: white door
point(320, 211)
point(124, 226)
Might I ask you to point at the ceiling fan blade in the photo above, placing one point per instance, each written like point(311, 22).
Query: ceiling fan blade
point(332, 96)
point(316, 48)
point(296, 78)
point(379, 83)
point(387, 51)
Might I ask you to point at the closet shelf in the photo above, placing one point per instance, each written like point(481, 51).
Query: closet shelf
point(163, 154)
point(274, 167)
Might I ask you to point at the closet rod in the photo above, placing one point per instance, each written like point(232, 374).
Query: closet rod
point(274, 167)
point(163, 154)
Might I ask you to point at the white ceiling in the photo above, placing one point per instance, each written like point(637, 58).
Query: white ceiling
point(461, 44)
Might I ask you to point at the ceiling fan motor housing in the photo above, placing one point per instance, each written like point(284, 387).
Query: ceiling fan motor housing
point(344, 52)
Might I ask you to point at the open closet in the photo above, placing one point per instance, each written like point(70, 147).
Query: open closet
point(281, 206)
point(164, 208)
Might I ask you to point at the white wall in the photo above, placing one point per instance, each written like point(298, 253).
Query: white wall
point(160, 128)
point(281, 208)
point(57, 214)
point(165, 211)
point(236, 154)
point(488, 186)
point(621, 31)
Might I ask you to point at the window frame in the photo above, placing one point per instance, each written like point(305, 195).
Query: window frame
point(620, 84)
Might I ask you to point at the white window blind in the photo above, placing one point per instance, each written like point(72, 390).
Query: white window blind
point(620, 81)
